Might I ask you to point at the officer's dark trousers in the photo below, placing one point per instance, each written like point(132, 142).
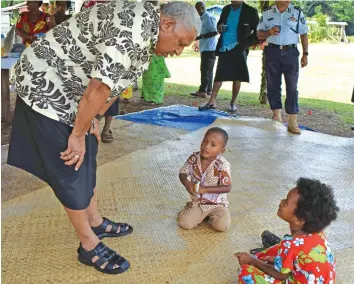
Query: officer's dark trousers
point(206, 68)
point(278, 62)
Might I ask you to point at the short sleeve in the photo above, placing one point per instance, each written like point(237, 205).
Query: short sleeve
point(303, 29)
point(185, 169)
point(262, 23)
point(269, 252)
point(225, 174)
point(111, 67)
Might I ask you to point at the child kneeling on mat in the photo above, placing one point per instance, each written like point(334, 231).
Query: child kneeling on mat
point(304, 256)
point(207, 177)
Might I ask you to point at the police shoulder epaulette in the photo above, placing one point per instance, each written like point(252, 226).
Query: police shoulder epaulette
point(267, 9)
point(297, 8)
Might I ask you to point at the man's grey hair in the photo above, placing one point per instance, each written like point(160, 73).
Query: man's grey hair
point(183, 13)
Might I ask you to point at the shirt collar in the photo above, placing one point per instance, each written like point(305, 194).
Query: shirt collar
point(232, 9)
point(276, 10)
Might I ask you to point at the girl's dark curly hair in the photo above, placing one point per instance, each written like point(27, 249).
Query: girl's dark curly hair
point(316, 205)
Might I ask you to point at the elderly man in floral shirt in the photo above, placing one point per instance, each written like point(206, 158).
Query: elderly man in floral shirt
point(66, 81)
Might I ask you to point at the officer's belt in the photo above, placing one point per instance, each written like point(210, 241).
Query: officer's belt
point(282, 46)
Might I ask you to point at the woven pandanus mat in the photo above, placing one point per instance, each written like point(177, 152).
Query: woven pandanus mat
point(142, 188)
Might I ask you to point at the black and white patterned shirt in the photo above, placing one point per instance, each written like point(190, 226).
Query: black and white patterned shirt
point(112, 42)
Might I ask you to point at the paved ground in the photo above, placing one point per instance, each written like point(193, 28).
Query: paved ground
point(329, 75)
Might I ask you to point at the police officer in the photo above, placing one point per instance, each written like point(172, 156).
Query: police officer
point(281, 25)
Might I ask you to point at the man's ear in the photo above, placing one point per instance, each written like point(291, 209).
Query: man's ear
point(167, 24)
point(222, 150)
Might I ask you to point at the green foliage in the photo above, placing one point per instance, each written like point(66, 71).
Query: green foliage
point(337, 11)
point(319, 31)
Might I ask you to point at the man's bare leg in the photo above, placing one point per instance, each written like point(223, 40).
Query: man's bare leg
point(94, 216)
point(107, 136)
point(82, 227)
point(107, 124)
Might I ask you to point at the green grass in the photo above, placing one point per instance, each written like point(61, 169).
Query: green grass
point(345, 111)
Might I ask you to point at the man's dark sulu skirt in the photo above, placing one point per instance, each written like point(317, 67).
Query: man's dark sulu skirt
point(35, 146)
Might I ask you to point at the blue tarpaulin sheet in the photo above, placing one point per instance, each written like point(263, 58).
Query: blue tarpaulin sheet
point(176, 116)
point(179, 116)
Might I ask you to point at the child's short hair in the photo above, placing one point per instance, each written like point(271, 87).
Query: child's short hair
point(219, 131)
point(316, 205)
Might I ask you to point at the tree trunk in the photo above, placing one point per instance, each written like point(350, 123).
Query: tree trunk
point(263, 92)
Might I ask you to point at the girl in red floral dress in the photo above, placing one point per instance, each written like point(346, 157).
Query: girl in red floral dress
point(304, 256)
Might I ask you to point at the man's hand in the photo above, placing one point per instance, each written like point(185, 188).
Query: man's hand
point(304, 61)
point(75, 152)
point(95, 130)
point(274, 31)
point(195, 46)
point(243, 258)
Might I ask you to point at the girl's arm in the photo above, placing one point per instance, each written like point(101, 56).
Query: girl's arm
point(245, 258)
point(269, 269)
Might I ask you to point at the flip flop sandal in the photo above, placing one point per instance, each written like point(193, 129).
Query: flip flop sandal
point(107, 137)
point(256, 250)
point(206, 107)
point(105, 254)
point(101, 233)
point(269, 239)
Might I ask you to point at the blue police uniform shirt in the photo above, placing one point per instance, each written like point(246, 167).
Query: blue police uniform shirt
point(208, 26)
point(230, 36)
point(292, 23)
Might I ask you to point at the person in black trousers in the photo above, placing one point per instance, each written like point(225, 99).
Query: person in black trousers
point(207, 44)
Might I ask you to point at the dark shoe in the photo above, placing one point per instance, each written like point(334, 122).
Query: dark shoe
point(206, 107)
point(199, 94)
point(269, 239)
point(104, 254)
point(100, 231)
